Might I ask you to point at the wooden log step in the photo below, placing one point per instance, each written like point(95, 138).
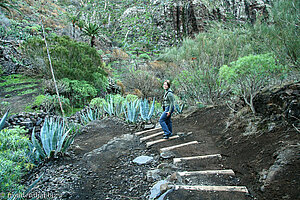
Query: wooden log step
point(213, 188)
point(177, 160)
point(178, 146)
point(207, 172)
point(151, 136)
point(147, 131)
point(148, 144)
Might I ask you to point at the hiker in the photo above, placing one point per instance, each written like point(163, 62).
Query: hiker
point(168, 108)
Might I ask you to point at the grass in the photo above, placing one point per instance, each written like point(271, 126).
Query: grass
point(36, 90)
point(19, 87)
point(15, 79)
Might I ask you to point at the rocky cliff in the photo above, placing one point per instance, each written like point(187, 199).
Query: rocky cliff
point(187, 17)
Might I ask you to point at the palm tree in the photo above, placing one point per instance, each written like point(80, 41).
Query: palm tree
point(74, 19)
point(91, 30)
point(80, 24)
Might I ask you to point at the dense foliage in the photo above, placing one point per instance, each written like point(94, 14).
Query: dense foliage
point(15, 159)
point(70, 59)
point(249, 74)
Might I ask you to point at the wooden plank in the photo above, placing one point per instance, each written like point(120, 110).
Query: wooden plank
point(151, 136)
point(148, 144)
point(147, 131)
point(176, 160)
point(213, 188)
point(177, 146)
point(207, 172)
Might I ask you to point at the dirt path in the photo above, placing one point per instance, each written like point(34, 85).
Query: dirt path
point(100, 164)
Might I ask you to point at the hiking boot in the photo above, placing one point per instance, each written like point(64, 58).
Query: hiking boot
point(166, 137)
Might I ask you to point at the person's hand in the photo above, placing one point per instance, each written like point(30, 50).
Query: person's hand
point(168, 114)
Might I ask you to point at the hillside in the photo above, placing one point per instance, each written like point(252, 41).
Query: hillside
point(81, 97)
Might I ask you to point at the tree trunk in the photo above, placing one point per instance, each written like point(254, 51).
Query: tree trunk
point(93, 41)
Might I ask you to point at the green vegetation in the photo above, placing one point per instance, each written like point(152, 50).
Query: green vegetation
point(14, 156)
point(145, 111)
point(90, 115)
point(246, 47)
point(281, 35)
point(50, 103)
point(55, 139)
point(130, 108)
point(249, 74)
point(16, 79)
point(70, 59)
point(91, 30)
point(19, 87)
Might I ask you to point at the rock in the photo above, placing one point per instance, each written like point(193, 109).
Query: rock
point(155, 190)
point(162, 197)
point(167, 154)
point(143, 160)
point(153, 175)
point(149, 126)
point(65, 195)
point(163, 188)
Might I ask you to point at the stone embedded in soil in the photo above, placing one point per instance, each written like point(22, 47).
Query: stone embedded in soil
point(167, 154)
point(155, 190)
point(141, 160)
point(153, 175)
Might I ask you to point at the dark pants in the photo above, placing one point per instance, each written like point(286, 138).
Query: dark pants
point(166, 123)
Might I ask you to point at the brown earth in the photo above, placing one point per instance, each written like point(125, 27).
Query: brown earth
point(99, 165)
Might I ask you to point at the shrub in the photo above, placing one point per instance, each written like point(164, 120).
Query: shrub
point(250, 74)
point(131, 97)
point(281, 34)
point(97, 103)
point(79, 92)
point(15, 160)
point(50, 103)
point(199, 61)
point(142, 80)
point(70, 59)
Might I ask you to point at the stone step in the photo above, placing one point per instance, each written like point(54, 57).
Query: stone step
point(208, 172)
point(212, 188)
point(147, 131)
point(177, 160)
point(151, 136)
point(178, 146)
point(148, 144)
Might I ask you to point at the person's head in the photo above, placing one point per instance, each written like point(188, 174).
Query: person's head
point(167, 84)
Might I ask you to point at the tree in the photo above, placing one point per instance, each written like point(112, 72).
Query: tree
point(74, 19)
point(250, 74)
point(91, 30)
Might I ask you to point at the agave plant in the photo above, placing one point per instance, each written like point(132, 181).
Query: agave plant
point(109, 106)
point(54, 139)
point(178, 108)
point(132, 111)
point(2, 122)
point(145, 110)
point(90, 115)
point(114, 106)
